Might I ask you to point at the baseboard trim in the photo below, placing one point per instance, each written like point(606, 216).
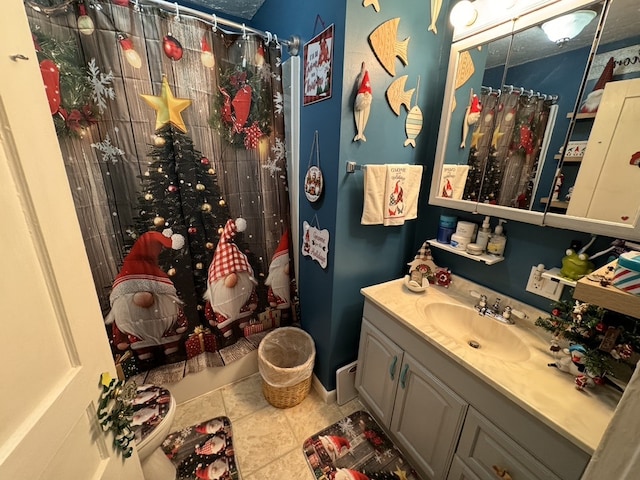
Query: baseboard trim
point(327, 396)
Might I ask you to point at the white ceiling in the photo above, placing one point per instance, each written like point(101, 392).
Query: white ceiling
point(238, 8)
point(622, 22)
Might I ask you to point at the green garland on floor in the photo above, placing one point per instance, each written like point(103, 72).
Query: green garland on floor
point(115, 412)
point(607, 337)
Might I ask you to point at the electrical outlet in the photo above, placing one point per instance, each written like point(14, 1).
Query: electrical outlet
point(545, 287)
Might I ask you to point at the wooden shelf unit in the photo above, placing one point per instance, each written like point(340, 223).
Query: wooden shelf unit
point(608, 297)
point(555, 203)
point(582, 116)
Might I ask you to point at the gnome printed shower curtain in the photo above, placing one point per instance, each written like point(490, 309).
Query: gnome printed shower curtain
point(172, 132)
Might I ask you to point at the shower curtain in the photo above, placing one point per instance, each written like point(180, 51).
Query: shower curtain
point(506, 146)
point(172, 131)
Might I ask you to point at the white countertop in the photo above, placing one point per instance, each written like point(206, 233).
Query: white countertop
point(547, 393)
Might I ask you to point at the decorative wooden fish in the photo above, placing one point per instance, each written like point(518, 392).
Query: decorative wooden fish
point(375, 3)
point(396, 95)
point(465, 69)
point(413, 125)
point(386, 47)
point(436, 5)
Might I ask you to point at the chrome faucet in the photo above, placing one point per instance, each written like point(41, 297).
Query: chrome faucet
point(494, 311)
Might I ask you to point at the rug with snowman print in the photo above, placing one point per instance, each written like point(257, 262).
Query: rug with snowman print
point(356, 448)
point(203, 451)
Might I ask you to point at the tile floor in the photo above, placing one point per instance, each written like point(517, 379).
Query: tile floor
point(267, 440)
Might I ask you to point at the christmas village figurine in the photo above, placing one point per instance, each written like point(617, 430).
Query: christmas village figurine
point(596, 338)
point(423, 271)
point(231, 294)
point(145, 309)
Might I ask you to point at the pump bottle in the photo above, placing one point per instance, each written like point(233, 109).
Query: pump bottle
point(483, 234)
point(497, 241)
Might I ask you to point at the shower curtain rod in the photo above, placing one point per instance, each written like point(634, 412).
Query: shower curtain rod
point(293, 44)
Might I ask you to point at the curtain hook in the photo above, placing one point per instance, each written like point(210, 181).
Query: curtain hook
point(269, 37)
point(244, 32)
point(177, 11)
point(215, 23)
point(136, 6)
point(275, 39)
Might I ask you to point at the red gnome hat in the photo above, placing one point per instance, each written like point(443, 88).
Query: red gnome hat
point(476, 107)
point(283, 246)
point(337, 442)
point(606, 76)
point(228, 258)
point(347, 474)
point(365, 84)
point(140, 271)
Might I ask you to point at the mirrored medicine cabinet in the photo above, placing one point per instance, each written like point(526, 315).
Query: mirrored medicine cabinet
point(545, 131)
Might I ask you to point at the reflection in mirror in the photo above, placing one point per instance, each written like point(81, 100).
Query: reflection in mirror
point(473, 117)
point(602, 180)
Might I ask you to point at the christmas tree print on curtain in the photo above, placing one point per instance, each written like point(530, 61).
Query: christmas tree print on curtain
point(156, 187)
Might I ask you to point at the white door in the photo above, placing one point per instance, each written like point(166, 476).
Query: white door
point(54, 346)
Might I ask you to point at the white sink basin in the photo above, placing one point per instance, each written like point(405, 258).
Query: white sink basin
point(479, 333)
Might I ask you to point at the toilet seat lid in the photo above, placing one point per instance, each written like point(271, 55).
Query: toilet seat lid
point(150, 407)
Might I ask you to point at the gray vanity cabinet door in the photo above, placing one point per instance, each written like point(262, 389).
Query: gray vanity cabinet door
point(379, 362)
point(427, 418)
point(459, 471)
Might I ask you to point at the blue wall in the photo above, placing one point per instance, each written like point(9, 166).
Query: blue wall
point(359, 256)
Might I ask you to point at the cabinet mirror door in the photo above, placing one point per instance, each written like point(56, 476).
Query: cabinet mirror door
point(599, 175)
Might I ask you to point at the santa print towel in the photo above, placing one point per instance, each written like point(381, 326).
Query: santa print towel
point(390, 194)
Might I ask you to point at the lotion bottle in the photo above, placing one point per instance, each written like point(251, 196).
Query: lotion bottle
point(497, 241)
point(484, 233)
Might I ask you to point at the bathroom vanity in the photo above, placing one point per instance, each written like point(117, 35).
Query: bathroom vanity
point(470, 412)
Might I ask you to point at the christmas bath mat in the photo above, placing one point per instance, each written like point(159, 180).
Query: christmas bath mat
point(356, 448)
point(203, 451)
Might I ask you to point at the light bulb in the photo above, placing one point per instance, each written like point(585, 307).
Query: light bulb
point(463, 14)
point(85, 24)
point(130, 54)
point(206, 57)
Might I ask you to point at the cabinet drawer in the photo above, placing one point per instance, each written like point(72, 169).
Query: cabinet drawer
point(459, 471)
point(483, 446)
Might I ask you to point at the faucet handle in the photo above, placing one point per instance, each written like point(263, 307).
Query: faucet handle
point(508, 311)
point(496, 304)
point(483, 298)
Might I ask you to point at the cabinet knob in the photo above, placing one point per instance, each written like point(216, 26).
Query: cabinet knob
point(501, 473)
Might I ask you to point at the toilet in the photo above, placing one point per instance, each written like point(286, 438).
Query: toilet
point(153, 410)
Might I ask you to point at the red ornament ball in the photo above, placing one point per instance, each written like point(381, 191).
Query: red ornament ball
point(192, 230)
point(172, 188)
point(172, 47)
point(555, 312)
point(204, 161)
point(601, 327)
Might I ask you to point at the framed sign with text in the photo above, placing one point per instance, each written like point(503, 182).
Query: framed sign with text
point(318, 59)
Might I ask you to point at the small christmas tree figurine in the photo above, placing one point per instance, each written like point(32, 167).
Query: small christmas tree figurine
point(597, 338)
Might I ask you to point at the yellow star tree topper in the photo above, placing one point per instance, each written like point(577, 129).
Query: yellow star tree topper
point(168, 107)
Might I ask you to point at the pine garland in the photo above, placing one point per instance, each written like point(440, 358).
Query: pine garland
point(115, 411)
point(77, 108)
point(606, 336)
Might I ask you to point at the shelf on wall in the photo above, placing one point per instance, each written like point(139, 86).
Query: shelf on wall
point(554, 274)
point(608, 297)
point(582, 116)
point(568, 159)
point(485, 257)
point(555, 203)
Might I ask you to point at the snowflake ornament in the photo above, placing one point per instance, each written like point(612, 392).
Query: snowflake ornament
point(272, 166)
point(110, 152)
point(101, 88)
point(278, 148)
point(278, 103)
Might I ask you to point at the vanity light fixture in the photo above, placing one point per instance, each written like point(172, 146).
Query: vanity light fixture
point(562, 29)
point(463, 14)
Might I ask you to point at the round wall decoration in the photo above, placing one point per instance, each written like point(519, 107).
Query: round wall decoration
point(313, 182)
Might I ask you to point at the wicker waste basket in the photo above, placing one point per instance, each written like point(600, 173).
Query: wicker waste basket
point(285, 359)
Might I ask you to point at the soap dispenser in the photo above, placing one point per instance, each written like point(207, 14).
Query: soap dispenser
point(497, 241)
point(483, 234)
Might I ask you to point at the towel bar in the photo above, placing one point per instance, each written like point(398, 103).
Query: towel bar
point(353, 166)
